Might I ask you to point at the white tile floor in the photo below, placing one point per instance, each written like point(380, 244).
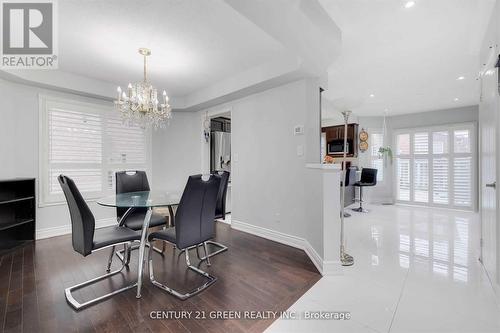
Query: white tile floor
point(416, 270)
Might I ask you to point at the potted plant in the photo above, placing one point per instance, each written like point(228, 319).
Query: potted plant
point(385, 153)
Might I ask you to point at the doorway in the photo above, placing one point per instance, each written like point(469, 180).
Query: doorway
point(216, 149)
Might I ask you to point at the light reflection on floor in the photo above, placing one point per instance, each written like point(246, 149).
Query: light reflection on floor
point(442, 239)
point(416, 269)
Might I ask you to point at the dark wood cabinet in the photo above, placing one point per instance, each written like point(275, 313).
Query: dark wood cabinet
point(336, 133)
point(17, 211)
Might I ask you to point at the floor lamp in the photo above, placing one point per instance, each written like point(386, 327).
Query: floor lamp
point(345, 259)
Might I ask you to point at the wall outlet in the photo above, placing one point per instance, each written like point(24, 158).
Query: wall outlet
point(300, 150)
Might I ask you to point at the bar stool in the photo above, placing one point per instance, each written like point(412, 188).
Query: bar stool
point(368, 178)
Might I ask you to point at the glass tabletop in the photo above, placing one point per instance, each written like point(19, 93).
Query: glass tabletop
point(143, 199)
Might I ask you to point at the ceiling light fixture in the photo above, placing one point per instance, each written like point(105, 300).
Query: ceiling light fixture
point(456, 99)
point(460, 78)
point(140, 105)
point(410, 4)
point(372, 95)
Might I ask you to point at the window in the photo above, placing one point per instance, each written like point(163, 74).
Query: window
point(376, 140)
point(435, 166)
point(87, 143)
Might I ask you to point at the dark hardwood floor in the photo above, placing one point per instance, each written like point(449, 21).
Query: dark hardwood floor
point(255, 274)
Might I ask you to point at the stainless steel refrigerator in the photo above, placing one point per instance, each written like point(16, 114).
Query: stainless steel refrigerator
point(220, 156)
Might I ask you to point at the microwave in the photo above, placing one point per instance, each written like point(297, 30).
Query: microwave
point(337, 147)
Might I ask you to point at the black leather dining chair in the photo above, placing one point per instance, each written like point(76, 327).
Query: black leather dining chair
point(134, 181)
point(86, 239)
point(220, 213)
point(220, 207)
point(194, 226)
point(368, 178)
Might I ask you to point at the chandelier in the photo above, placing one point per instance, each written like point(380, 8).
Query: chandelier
point(139, 105)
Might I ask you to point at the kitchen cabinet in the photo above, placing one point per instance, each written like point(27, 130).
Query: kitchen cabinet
point(334, 133)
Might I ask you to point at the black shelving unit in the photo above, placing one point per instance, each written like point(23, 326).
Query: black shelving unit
point(17, 212)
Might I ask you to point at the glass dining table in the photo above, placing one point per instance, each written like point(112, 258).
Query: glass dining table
point(144, 199)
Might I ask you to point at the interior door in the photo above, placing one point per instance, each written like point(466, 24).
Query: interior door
point(488, 126)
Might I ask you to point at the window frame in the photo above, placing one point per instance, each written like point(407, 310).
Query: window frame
point(378, 131)
point(46, 102)
point(430, 156)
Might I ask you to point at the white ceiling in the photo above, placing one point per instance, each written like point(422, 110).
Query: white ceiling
point(194, 43)
point(409, 59)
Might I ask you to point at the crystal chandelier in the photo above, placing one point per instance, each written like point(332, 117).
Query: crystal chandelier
point(139, 105)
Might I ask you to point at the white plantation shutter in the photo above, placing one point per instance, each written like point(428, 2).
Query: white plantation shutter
point(421, 180)
point(75, 149)
point(461, 141)
point(440, 142)
point(376, 140)
point(127, 143)
point(441, 176)
point(127, 148)
point(462, 181)
point(74, 137)
point(403, 180)
point(421, 143)
point(403, 144)
point(88, 143)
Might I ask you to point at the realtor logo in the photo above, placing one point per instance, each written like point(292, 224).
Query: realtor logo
point(28, 34)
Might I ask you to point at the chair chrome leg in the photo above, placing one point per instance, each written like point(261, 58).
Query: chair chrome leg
point(179, 295)
point(121, 256)
point(157, 250)
point(78, 306)
point(110, 259)
point(206, 253)
point(198, 251)
point(221, 249)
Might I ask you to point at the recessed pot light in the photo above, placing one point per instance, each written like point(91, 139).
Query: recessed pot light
point(372, 95)
point(460, 78)
point(456, 99)
point(410, 4)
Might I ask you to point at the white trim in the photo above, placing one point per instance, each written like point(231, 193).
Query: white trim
point(228, 221)
point(324, 267)
point(66, 229)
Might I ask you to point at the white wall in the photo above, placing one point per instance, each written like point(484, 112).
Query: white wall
point(176, 152)
point(269, 188)
point(384, 192)
point(435, 118)
point(19, 150)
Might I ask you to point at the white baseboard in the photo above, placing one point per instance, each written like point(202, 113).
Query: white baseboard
point(66, 229)
point(324, 267)
point(225, 221)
